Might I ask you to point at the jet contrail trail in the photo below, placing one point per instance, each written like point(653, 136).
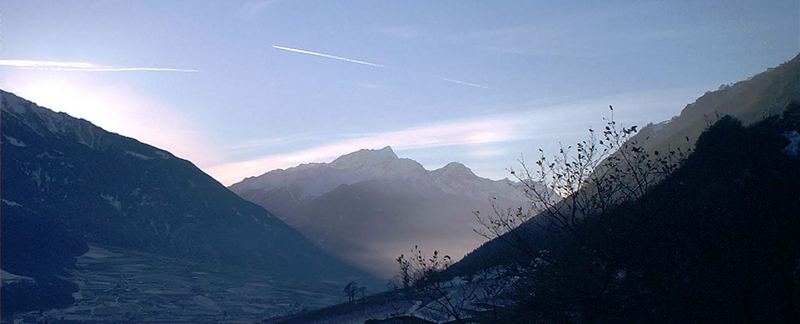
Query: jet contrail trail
point(81, 66)
point(469, 84)
point(302, 51)
point(307, 52)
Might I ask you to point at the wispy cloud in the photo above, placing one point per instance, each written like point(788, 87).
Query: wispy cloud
point(482, 153)
point(474, 132)
point(255, 144)
point(349, 60)
point(534, 124)
point(302, 51)
point(260, 144)
point(583, 34)
point(251, 9)
point(82, 66)
point(368, 85)
point(403, 32)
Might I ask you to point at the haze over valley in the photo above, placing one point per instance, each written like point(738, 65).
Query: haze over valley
point(274, 161)
point(371, 206)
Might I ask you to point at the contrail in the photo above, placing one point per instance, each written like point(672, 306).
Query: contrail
point(81, 66)
point(469, 84)
point(302, 51)
point(307, 52)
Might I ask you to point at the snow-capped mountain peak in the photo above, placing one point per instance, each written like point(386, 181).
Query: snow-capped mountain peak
point(365, 157)
point(455, 169)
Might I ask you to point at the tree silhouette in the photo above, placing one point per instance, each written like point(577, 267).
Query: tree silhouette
point(643, 236)
point(352, 290)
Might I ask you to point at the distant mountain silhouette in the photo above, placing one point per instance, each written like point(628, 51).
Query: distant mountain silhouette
point(370, 206)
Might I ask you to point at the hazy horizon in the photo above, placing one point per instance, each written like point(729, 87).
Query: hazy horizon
point(235, 166)
point(241, 88)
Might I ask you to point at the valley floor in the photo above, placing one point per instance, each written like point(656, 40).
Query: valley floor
point(122, 285)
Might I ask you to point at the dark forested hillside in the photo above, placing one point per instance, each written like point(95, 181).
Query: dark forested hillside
point(760, 96)
point(717, 241)
point(750, 101)
point(696, 219)
point(67, 183)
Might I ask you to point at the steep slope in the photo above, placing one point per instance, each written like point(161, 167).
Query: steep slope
point(370, 206)
point(753, 100)
point(92, 186)
point(716, 241)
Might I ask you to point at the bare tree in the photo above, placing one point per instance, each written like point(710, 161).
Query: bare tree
point(427, 280)
point(571, 196)
point(351, 290)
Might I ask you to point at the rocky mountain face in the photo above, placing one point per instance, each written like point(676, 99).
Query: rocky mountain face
point(67, 183)
point(370, 206)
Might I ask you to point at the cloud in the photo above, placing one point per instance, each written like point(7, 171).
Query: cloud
point(368, 85)
point(486, 153)
point(404, 32)
point(251, 9)
point(302, 51)
point(255, 144)
point(588, 33)
point(244, 148)
point(474, 132)
point(521, 128)
point(82, 66)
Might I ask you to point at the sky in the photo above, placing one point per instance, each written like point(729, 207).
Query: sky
point(244, 87)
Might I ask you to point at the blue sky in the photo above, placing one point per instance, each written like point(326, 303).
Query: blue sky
point(480, 82)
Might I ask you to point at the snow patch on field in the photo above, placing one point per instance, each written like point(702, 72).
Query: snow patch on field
point(99, 253)
point(793, 149)
point(45, 155)
point(15, 142)
point(11, 203)
point(126, 286)
point(206, 302)
point(113, 201)
point(163, 155)
point(10, 278)
point(138, 155)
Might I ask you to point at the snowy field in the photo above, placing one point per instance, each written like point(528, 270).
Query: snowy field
point(121, 285)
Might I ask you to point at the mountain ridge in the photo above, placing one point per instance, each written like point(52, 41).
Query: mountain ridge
point(99, 187)
point(764, 95)
point(369, 206)
point(363, 165)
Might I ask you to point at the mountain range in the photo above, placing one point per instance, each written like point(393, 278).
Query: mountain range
point(72, 191)
point(715, 241)
point(370, 206)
